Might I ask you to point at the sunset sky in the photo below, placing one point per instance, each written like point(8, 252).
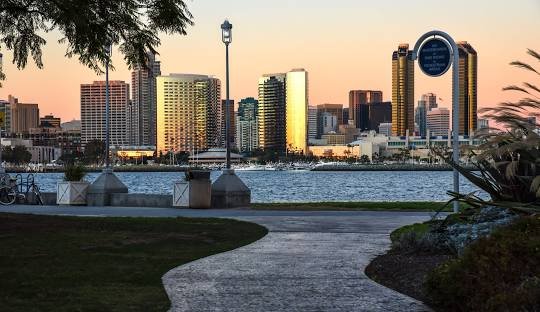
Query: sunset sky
point(343, 44)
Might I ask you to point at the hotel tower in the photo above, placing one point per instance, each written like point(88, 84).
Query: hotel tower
point(402, 91)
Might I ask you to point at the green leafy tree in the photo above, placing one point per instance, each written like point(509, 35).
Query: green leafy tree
point(7, 154)
point(21, 155)
point(86, 26)
point(364, 159)
point(94, 152)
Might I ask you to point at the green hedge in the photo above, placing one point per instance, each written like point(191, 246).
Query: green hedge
point(497, 273)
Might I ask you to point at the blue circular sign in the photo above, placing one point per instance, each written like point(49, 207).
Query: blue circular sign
point(434, 57)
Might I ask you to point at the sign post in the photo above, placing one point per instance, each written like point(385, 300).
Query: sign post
point(435, 56)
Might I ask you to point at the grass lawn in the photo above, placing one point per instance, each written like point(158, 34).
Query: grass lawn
point(52, 263)
point(344, 206)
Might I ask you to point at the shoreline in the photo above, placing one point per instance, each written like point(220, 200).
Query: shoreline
point(332, 167)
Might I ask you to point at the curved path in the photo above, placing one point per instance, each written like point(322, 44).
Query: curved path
point(309, 261)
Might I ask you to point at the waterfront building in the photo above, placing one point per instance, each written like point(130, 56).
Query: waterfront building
point(438, 121)
point(69, 141)
point(22, 116)
point(468, 73)
point(188, 113)
point(49, 121)
point(141, 122)
point(358, 106)
point(247, 129)
point(402, 91)
point(379, 112)
point(93, 112)
point(222, 126)
point(385, 128)
point(296, 107)
point(369, 143)
point(271, 113)
point(313, 124)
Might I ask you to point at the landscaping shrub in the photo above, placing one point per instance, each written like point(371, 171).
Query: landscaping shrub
point(74, 173)
point(500, 272)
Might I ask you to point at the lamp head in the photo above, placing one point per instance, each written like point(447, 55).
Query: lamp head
point(226, 32)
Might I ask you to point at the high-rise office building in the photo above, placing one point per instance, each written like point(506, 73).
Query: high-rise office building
point(468, 73)
point(358, 106)
point(430, 99)
point(142, 110)
point(272, 100)
point(420, 115)
point(93, 112)
point(49, 121)
point(247, 129)
point(329, 123)
point(402, 91)
point(23, 116)
point(188, 113)
point(283, 111)
point(386, 129)
point(333, 109)
point(379, 112)
point(438, 121)
point(296, 107)
point(5, 109)
point(313, 123)
point(483, 123)
point(223, 116)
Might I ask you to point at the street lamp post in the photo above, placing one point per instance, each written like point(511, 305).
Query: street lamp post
point(228, 191)
point(101, 190)
point(226, 36)
point(107, 49)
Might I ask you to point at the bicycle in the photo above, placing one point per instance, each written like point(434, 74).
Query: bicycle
point(11, 190)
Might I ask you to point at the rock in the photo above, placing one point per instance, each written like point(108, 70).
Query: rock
point(460, 235)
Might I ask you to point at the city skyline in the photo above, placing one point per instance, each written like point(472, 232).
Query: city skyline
point(336, 61)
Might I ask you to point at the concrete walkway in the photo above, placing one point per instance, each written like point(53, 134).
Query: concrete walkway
point(309, 261)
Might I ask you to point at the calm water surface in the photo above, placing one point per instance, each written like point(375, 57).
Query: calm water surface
point(303, 186)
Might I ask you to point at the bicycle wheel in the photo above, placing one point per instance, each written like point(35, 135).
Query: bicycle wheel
point(7, 195)
point(37, 193)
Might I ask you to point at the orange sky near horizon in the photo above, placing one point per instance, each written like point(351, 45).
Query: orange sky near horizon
point(344, 45)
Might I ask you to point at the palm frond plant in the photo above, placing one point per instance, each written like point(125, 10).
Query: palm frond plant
point(507, 162)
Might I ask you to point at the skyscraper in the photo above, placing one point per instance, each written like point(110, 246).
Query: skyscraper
point(223, 116)
point(333, 109)
point(468, 73)
point(247, 131)
point(313, 123)
point(188, 112)
point(430, 99)
point(296, 106)
point(402, 91)
point(142, 110)
point(358, 109)
point(379, 112)
point(271, 114)
point(438, 121)
point(93, 112)
point(420, 115)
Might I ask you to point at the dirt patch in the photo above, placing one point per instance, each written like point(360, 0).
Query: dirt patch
point(405, 272)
